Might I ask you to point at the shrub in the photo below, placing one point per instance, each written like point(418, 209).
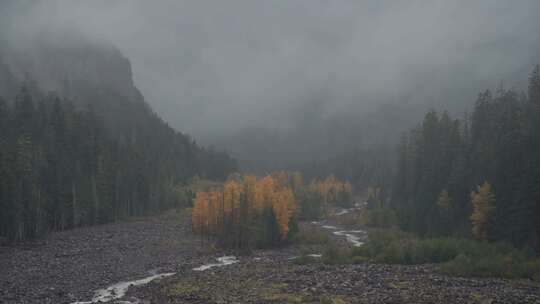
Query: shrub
point(462, 257)
point(359, 260)
point(306, 257)
point(312, 236)
point(335, 254)
point(380, 218)
point(533, 268)
point(497, 264)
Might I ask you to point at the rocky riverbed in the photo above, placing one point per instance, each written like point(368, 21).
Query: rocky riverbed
point(279, 281)
point(71, 266)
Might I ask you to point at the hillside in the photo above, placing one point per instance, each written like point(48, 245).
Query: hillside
point(79, 143)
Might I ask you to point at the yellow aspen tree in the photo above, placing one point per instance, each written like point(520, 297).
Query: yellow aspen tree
point(281, 211)
point(281, 179)
point(268, 186)
point(198, 212)
point(227, 212)
point(232, 193)
point(347, 188)
point(444, 201)
point(250, 192)
point(258, 198)
point(288, 196)
point(229, 196)
point(236, 192)
point(483, 213)
point(214, 201)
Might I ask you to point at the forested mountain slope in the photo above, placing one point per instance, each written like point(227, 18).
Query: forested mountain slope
point(79, 145)
point(481, 171)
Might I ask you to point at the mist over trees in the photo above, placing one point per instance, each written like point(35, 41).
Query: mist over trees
point(326, 79)
point(271, 151)
point(61, 167)
point(79, 143)
point(482, 168)
point(330, 104)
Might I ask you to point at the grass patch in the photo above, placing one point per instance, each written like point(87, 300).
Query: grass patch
point(182, 289)
point(282, 297)
point(507, 265)
point(312, 236)
point(333, 300)
point(305, 260)
point(458, 256)
point(359, 259)
point(335, 254)
point(277, 292)
point(348, 220)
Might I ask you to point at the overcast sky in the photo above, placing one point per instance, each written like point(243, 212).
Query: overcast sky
point(212, 67)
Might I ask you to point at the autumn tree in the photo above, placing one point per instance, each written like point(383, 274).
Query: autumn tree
point(283, 207)
point(483, 205)
point(444, 201)
point(333, 191)
point(248, 210)
point(200, 214)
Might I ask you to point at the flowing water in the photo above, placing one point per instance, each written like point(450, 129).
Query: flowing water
point(119, 290)
point(222, 261)
point(352, 236)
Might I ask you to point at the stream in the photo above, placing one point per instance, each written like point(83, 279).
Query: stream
point(118, 290)
point(354, 237)
point(222, 261)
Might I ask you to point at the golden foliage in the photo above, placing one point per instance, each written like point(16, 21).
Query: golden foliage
point(444, 201)
point(331, 189)
point(246, 204)
point(283, 204)
point(483, 204)
point(199, 213)
point(214, 209)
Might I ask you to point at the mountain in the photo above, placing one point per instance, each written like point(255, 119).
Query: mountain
point(79, 144)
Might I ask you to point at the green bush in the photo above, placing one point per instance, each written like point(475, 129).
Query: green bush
point(335, 254)
point(359, 260)
point(305, 259)
point(381, 218)
point(508, 265)
point(312, 236)
point(533, 267)
point(463, 257)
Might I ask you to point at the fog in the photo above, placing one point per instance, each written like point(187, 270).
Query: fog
point(215, 69)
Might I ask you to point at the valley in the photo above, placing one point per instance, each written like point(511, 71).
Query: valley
point(69, 267)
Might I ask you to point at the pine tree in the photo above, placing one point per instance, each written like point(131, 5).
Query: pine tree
point(534, 85)
point(61, 167)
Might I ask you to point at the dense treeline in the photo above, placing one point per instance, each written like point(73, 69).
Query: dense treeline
point(362, 167)
point(248, 211)
point(482, 170)
point(65, 165)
